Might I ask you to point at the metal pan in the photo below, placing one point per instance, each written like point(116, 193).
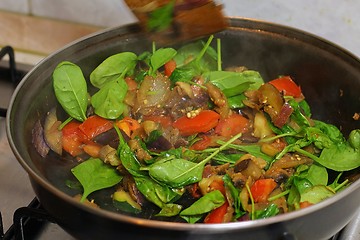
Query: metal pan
point(329, 77)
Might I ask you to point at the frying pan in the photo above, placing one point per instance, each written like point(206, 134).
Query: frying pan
point(328, 75)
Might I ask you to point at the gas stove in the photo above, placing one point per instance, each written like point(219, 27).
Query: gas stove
point(21, 214)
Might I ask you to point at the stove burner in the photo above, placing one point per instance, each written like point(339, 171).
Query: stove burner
point(11, 74)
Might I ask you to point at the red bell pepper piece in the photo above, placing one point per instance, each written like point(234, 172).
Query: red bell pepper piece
point(128, 125)
point(169, 67)
point(287, 86)
point(95, 125)
point(218, 214)
point(73, 138)
point(232, 125)
point(203, 122)
point(261, 189)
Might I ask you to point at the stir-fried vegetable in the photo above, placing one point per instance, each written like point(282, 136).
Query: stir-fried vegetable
point(194, 142)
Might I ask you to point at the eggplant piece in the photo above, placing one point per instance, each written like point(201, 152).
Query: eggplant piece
point(38, 139)
point(109, 137)
point(160, 144)
point(52, 134)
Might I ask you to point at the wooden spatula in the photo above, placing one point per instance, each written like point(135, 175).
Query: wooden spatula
point(178, 20)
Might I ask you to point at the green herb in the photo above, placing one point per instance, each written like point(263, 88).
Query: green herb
point(94, 174)
point(71, 89)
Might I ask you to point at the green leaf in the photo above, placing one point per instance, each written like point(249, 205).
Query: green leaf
point(317, 175)
point(108, 101)
point(316, 194)
point(94, 174)
point(236, 101)
point(169, 210)
point(71, 89)
point(253, 149)
point(154, 192)
point(176, 172)
point(205, 204)
point(269, 211)
point(160, 57)
point(127, 156)
point(354, 139)
point(112, 68)
point(234, 192)
point(341, 157)
point(235, 83)
point(199, 56)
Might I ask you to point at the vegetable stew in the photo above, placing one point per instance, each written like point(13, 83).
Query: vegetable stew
point(170, 135)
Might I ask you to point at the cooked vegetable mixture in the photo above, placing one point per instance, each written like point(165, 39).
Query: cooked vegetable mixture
point(170, 130)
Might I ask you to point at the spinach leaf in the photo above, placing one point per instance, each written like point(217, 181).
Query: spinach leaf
point(236, 101)
point(127, 157)
point(354, 139)
point(234, 193)
point(159, 58)
point(71, 89)
point(317, 175)
point(169, 210)
point(108, 101)
point(193, 60)
point(298, 114)
point(154, 192)
point(234, 83)
point(316, 194)
point(176, 172)
point(269, 211)
point(112, 68)
point(94, 174)
point(339, 157)
point(253, 149)
point(205, 204)
point(197, 51)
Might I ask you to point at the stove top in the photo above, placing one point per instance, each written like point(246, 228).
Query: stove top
point(21, 214)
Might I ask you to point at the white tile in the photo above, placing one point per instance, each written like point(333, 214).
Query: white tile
point(105, 13)
point(20, 6)
point(336, 21)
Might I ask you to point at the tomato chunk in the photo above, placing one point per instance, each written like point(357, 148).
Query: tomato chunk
point(95, 125)
point(203, 122)
point(232, 125)
point(261, 189)
point(287, 86)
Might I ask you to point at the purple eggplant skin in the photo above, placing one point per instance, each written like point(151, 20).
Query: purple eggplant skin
point(38, 139)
